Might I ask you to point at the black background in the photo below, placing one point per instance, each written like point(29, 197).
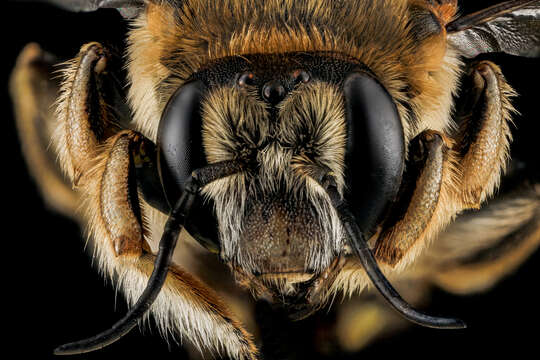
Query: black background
point(55, 294)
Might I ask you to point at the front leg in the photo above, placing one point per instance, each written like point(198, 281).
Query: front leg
point(484, 136)
point(454, 179)
point(419, 195)
point(117, 211)
point(85, 112)
point(106, 164)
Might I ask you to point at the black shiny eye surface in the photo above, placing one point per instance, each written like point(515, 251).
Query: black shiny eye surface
point(375, 149)
point(246, 79)
point(179, 139)
point(180, 153)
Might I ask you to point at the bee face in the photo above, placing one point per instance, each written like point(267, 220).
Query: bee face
point(281, 99)
point(288, 123)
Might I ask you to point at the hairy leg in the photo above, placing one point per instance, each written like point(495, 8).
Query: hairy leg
point(34, 89)
point(420, 193)
point(481, 247)
point(460, 178)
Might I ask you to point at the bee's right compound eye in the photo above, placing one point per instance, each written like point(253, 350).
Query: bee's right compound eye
point(375, 149)
point(179, 141)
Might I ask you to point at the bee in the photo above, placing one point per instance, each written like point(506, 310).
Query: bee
point(314, 148)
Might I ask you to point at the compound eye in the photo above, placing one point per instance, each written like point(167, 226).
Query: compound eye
point(301, 76)
point(375, 149)
point(179, 139)
point(246, 79)
point(180, 152)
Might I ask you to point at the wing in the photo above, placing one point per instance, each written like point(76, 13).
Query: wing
point(512, 27)
point(128, 8)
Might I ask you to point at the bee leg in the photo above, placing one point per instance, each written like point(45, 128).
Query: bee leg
point(483, 138)
point(34, 88)
point(474, 160)
point(481, 247)
point(106, 165)
point(111, 196)
point(88, 112)
point(417, 200)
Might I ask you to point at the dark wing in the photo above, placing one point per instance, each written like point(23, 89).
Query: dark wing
point(128, 8)
point(512, 27)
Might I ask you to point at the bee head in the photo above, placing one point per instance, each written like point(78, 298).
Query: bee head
point(299, 122)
